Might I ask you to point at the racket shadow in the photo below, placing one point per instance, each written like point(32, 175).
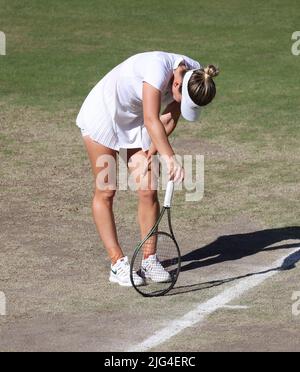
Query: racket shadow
point(288, 264)
point(235, 247)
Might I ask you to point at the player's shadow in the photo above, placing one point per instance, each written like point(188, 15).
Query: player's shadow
point(235, 247)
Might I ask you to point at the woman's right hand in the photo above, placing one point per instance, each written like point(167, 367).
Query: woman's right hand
point(175, 170)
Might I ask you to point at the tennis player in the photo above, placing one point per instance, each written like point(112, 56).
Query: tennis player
point(123, 111)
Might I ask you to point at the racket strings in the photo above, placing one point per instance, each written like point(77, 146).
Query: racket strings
point(157, 263)
point(150, 247)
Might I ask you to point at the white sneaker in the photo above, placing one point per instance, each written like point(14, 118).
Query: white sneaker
point(153, 269)
point(120, 273)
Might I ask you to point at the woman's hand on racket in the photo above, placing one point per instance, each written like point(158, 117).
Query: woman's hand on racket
point(175, 170)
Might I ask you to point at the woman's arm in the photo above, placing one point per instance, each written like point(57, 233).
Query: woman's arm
point(169, 118)
point(157, 132)
point(173, 112)
point(155, 128)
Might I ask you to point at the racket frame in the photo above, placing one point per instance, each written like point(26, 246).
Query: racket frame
point(140, 245)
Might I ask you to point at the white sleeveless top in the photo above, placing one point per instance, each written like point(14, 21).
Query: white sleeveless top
point(112, 114)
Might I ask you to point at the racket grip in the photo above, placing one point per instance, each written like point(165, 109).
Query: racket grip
point(169, 194)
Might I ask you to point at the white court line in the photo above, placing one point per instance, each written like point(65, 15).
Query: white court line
point(235, 307)
point(205, 309)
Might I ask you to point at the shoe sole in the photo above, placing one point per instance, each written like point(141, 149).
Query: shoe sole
point(160, 281)
point(157, 281)
point(115, 280)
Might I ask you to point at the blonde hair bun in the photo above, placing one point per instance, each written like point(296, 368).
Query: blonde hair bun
point(211, 71)
point(201, 86)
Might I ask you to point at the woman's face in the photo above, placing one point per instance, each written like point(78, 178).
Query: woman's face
point(177, 82)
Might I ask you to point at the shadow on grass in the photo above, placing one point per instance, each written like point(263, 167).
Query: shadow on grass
point(235, 247)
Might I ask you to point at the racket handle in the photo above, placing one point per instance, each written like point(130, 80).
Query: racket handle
point(169, 194)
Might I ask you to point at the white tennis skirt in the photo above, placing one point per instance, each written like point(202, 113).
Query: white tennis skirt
point(95, 120)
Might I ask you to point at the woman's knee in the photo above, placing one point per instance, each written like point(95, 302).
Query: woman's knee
point(148, 196)
point(166, 118)
point(103, 197)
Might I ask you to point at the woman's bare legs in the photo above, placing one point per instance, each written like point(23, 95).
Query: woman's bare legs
point(148, 206)
point(105, 188)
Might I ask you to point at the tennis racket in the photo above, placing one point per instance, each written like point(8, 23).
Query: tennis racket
point(157, 258)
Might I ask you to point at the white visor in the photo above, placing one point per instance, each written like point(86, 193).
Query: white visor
point(189, 110)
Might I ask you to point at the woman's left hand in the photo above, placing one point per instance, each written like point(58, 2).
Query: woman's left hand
point(151, 152)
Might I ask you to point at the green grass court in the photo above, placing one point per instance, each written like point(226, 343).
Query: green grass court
point(53, 268)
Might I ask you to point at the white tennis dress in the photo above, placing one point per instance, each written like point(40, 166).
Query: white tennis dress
point(112, 113)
